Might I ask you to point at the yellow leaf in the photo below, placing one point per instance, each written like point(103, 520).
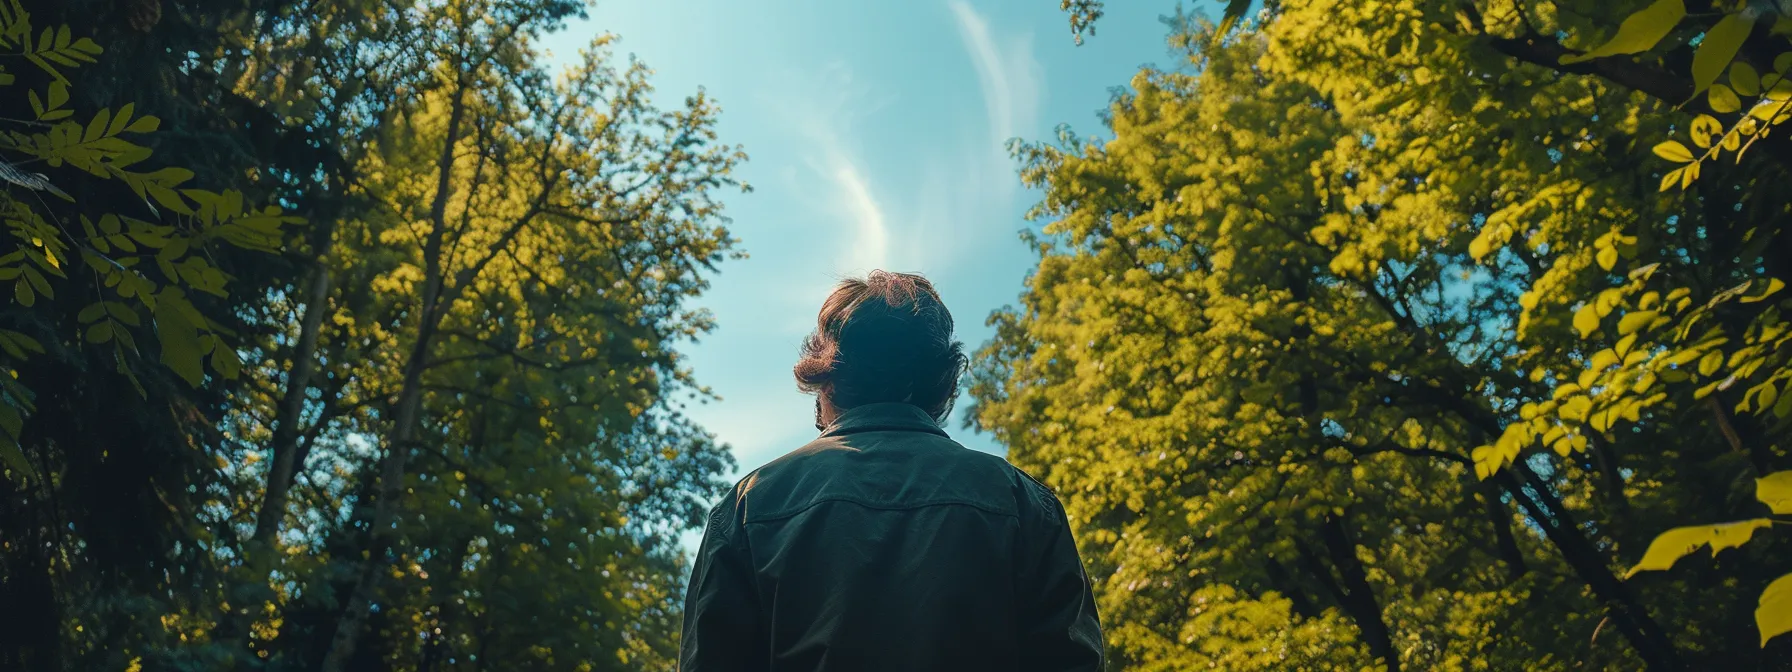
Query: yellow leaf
point(1632, 322)
point(1723, 100)
point(1680, 542)
point(1773, 285)
point(1603, 359)
point(1639, 32)
point(1586, 320)
point(1703, 127)
point(1775, 490)
point(1607, 257)
point(1773, 615)
point(1672, 150)
point(1710, 363)
point(1670, 179)
point(1575, 409)
point(1479, 247)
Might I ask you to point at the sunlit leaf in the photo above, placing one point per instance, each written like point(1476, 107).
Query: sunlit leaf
point(1775, 490)
point(1639, 32)
point(1673, 151)
point(1723, 100)
point(1670, 546)
point(1586, 320)
point(1773, 614)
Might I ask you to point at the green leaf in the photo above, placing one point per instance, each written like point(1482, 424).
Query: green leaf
point(91, 312)
point(1773, 614)
point(15, 458)
point(179, 337)
point(1775, 490)
point(18, 345)
point(120, 120)
point(1744, 79)
point(1719, 48)
point(144, 124)
point(21, 291)
point(1723, 100)
point(100, 332)
point(96, 127)
point(1640, 32)
point(58, 94)
point(225, 362)
point(1680, 542)
point(1674, 151)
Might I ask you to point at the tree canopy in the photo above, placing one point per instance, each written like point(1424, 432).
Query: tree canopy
point(1390, 335)
point(347, 337)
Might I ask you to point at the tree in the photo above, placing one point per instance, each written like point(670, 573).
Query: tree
point(460, 391)
point(1279, 312)
point(104, 253)
point(530, 236)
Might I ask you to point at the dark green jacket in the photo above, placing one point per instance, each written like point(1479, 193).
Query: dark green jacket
point(885, 545)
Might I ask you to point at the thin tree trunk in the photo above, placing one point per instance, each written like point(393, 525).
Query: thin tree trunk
point(1359, 596)
point(284, 444)
point(410, 401)
point(385, 510)
point(1501, 519)
point(1649, 640)
point(1606, 459)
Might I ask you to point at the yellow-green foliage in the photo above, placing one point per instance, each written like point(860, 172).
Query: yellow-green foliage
point(141, 256)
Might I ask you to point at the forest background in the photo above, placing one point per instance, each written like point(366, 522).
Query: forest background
point(1422, 334)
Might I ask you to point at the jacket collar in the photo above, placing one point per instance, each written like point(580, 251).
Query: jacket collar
point(883, 417)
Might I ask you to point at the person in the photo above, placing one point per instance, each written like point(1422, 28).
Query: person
point(883, 544)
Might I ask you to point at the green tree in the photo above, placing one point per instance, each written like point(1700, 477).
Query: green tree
point(530, 245)
point(1312, 282)
point(496, 271)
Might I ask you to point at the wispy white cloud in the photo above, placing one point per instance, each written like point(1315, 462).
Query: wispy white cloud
point(853, 197)
point(967, 196)
point(1006, 71)
point(823, 109)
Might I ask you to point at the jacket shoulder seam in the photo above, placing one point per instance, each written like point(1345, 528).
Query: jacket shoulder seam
point(751, 520)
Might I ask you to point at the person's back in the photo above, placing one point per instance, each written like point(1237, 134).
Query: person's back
point(883, 544)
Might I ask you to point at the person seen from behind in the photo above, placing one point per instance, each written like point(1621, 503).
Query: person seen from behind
point(883, 544)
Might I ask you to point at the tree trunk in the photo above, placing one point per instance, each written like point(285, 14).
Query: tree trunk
point(410, 400)
point(284, 444)
point(385, 510)
point(1359, 596)
point(1650, 641)
point(1501, 519)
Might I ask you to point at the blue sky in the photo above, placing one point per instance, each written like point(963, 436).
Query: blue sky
point(876, 132)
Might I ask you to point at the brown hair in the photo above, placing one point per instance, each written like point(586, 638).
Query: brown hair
point(886, 338)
